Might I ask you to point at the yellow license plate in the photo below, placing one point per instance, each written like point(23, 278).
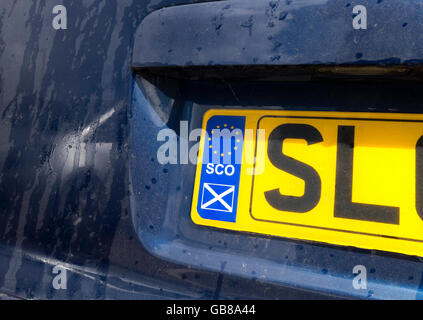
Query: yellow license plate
point(351, 179)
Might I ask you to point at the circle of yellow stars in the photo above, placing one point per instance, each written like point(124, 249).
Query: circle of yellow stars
point(237, 140)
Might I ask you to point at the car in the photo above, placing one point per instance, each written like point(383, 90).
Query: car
point(194, 149)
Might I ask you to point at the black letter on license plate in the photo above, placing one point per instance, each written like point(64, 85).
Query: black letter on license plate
point(344, 207)
point(419, 177)
point(303, 171)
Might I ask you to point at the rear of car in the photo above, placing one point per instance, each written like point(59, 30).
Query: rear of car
point(211, 149)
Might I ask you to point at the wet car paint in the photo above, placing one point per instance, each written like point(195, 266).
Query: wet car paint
point(68, 99)
point(269, 33)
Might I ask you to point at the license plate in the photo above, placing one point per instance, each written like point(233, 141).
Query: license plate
point(350, 179)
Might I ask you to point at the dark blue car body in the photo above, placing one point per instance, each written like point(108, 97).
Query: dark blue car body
point(80, 108)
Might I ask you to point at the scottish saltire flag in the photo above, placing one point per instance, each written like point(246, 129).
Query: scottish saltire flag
point(221, 168)
point(218, 197)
